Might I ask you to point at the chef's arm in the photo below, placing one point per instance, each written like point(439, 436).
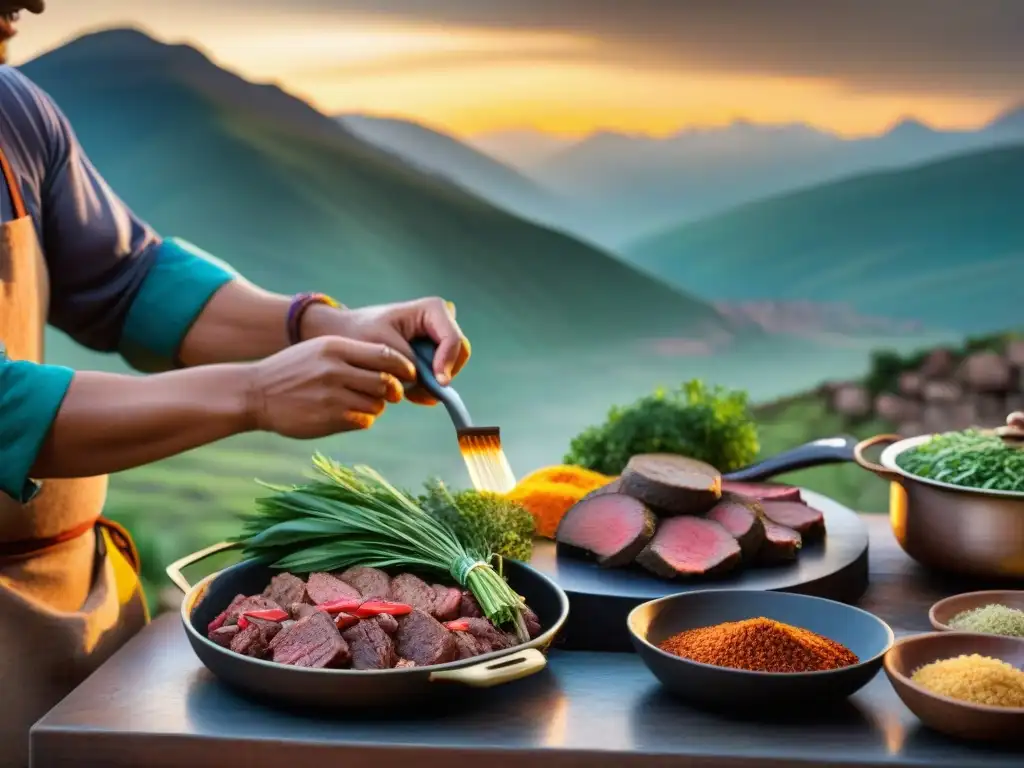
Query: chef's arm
point(58, 423)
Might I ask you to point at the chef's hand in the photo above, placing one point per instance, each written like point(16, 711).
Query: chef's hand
point(395, 325)
point(324, 386)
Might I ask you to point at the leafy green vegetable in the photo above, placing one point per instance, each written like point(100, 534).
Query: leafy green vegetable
point(710, 424)
point(971, 459)
point(492, 522)
point(353, 516)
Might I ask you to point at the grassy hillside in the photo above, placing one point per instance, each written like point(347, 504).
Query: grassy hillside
point(941, 243)
point(437, 152)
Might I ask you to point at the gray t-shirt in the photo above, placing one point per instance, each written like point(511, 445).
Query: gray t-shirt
point(97, 251)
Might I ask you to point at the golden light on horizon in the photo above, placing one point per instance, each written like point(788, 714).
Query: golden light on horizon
point(471, 81)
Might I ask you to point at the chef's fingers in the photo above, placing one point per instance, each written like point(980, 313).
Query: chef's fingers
point(453, 348)
point(371, 357)
point(374, 384)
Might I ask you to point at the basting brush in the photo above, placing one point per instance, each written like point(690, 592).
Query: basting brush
point(481, 449)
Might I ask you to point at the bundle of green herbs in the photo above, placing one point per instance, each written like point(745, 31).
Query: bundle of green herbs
point(347, 516)
point(487, 521)
point(970, 459)
point(712, 424)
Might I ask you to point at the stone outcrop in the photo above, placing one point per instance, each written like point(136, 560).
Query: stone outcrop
point(946, 392)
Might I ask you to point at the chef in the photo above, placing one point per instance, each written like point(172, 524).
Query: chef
point(221, 356)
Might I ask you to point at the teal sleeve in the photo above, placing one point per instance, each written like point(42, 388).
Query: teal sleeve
point(30, 396)
point(181, 281)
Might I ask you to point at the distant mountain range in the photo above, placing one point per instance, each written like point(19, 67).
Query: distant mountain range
point(941, 243)
point(438, 153)
point(614, 189)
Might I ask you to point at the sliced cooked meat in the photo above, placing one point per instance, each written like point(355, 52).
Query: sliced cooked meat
point(301, 610)
point(781, 544)
point(447, 601)
point(221, 618)
point(424, 640)
point(386, 622)
point(613, 487)
point(371, 582)
point(311, 642)
point(285, 589)
point(741, 517)
point(223, 636)
point(370, 646)
point(489, 635)
point(762, 491)
point(238, 607)
point(267, 628)
point(671, 484)
point(325, 588)
point(468, 646)
point(613, 528)
point(690, 546)
point(807, 521)
point(469, 607)
point(412, 590)
point(249, 642)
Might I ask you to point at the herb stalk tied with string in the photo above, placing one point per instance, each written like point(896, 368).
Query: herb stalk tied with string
point(348, 516)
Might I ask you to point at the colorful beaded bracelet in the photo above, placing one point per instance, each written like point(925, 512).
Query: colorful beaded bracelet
point(300, 303)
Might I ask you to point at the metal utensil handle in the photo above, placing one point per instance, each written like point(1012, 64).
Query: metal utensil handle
point(871, 466)
point(515, 666)
point(829, 450)
point(424, 350)
point(174, 570)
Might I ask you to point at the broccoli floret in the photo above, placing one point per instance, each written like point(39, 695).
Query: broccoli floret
point(485, 521)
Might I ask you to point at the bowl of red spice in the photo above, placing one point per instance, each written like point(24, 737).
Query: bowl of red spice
point(734, 649)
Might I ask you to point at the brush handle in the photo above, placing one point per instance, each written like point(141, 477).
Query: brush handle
point(424, 350)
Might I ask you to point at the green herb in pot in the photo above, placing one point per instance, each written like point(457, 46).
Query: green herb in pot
point(970, 459)
point(490, 521)
point(711, 424)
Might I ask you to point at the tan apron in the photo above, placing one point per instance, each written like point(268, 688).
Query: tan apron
point(69, 591)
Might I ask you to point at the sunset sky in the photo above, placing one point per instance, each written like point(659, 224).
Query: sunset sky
point(575, 66)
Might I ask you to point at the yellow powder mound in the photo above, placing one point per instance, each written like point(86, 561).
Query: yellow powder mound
point(975, 679)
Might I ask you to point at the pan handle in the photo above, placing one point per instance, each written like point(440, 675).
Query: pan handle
point(515, 666)
point(829, 450)
point(174, 570)
point(871, 466)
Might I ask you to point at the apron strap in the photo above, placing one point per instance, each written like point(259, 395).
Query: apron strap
point(13, 187)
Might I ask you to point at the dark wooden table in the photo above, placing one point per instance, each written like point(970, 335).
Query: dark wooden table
point(154, 705)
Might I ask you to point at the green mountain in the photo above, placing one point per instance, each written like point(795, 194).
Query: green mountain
point(437, 152)
point(941, 243)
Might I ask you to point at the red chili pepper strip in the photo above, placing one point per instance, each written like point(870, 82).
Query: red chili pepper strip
point(345, 620)
point(458, 625)
point(218, 622)
point(346, 605)
point(242, 622)
point(373, 607)
point(270, 614)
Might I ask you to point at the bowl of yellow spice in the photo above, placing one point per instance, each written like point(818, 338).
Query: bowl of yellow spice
point(964, 684)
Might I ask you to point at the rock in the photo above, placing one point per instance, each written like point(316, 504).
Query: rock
point(1015, 353)
point(938, 365)
point(911, 384)
point(851, 400)
point(912, 429)
point(897, 410)
point(990, 410)
point(942, 392)
point(986, 372)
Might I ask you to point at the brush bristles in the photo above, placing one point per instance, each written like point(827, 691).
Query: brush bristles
point(486, 462)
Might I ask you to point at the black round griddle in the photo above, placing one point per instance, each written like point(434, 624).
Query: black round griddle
point(600, 599)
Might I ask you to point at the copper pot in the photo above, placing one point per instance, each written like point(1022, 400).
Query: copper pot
point(948, 527)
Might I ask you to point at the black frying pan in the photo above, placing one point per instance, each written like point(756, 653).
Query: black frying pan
point(362, 689)
point(828, 450)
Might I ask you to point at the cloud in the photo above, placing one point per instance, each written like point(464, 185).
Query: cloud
point(973, 47)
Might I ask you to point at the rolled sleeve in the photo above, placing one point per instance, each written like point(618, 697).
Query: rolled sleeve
point(30, 396)
point(180, 282)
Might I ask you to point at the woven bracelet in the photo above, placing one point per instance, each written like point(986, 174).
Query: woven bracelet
point(300, 303)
